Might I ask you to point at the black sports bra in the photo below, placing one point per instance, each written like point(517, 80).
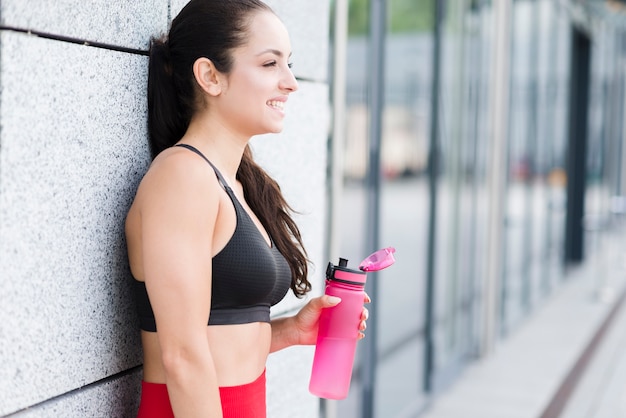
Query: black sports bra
point(248, 275)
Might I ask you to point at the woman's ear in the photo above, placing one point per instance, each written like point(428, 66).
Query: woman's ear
point(207, 76)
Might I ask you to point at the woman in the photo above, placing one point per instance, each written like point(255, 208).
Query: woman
point(209, 234)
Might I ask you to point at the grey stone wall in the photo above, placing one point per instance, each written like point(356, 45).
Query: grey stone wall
point(72, 150)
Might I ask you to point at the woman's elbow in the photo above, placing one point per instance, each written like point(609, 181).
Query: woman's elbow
point(180, 360)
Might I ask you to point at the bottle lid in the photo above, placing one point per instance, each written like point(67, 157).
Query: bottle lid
point(341, 273)
point(378, 260)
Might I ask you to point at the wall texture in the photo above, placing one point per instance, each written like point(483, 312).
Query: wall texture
point(72, 150)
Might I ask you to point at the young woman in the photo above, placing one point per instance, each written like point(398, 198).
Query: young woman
point(210, 239)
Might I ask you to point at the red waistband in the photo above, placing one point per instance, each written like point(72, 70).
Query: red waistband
point(242, 401)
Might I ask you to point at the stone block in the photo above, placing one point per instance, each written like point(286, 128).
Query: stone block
point(72, 150)
point(122, 23)
point(288, 373)
point(116, 397)
point(296, 158)
point(308, 25)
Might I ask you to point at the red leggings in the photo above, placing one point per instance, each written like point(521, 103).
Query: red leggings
point(244, 401)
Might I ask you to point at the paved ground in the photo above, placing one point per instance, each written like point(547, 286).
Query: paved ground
point(567, 360)
point(601, 393)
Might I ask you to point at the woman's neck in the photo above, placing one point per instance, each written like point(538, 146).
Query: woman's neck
point(222, 147)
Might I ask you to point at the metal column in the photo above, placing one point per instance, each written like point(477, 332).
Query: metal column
point(378, 17)
point(433, 174)
point(577, 150)
point(499, 122)
point(335, 167)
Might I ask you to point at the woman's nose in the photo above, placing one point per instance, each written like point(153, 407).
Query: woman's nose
point(289, 82)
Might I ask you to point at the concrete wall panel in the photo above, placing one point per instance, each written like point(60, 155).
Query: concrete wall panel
point(296, 158)
point(72, 150)
point(118, 397)
point(308, 25)
point(123, 23)
point(288, 374)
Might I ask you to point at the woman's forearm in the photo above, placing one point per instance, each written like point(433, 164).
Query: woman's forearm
point(284, 333)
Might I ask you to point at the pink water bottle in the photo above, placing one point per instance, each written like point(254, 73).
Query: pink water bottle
point(339, 325)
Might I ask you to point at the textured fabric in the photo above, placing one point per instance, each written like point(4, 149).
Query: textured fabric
point(248, 277)
point(243, 401)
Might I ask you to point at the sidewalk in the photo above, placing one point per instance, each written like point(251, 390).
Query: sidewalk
point(601, 393)
point(567, 360)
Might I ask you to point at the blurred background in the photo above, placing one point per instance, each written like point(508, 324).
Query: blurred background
point(485, 141)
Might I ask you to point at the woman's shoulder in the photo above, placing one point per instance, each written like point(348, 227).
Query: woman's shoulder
point(178, 188)
point(180, 174)
point(180, 167)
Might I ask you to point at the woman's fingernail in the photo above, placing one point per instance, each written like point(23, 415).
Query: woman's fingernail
point(333, 299)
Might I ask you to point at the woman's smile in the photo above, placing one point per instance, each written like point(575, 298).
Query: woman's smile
point(277, 104)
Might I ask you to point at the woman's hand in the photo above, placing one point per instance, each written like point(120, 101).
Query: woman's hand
point(306, 321)
point(301, 329)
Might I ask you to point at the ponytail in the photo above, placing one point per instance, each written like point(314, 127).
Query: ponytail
point(266, 200)
point(166, 122)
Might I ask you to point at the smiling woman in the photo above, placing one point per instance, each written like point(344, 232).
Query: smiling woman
point(211, 241)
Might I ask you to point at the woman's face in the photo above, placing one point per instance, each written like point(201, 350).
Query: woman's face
point(253, 101)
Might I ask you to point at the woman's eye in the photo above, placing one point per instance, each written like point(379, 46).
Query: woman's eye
point(290, 65)
point(270, 64)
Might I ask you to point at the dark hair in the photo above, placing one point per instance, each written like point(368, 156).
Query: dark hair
point(213, 29)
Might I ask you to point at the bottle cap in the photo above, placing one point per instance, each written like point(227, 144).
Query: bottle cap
point(378, 260)
point(342, 273)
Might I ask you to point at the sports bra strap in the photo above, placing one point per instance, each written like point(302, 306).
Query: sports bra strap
point(217, 172)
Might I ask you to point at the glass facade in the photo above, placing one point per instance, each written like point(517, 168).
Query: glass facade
point(435, 194)
point(535, 192)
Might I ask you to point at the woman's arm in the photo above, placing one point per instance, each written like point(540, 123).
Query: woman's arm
point(177, 225)
point(301, 329)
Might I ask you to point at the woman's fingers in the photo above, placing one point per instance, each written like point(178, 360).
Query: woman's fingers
point(365, 314)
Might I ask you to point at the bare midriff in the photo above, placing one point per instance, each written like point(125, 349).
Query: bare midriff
point(239, 353)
